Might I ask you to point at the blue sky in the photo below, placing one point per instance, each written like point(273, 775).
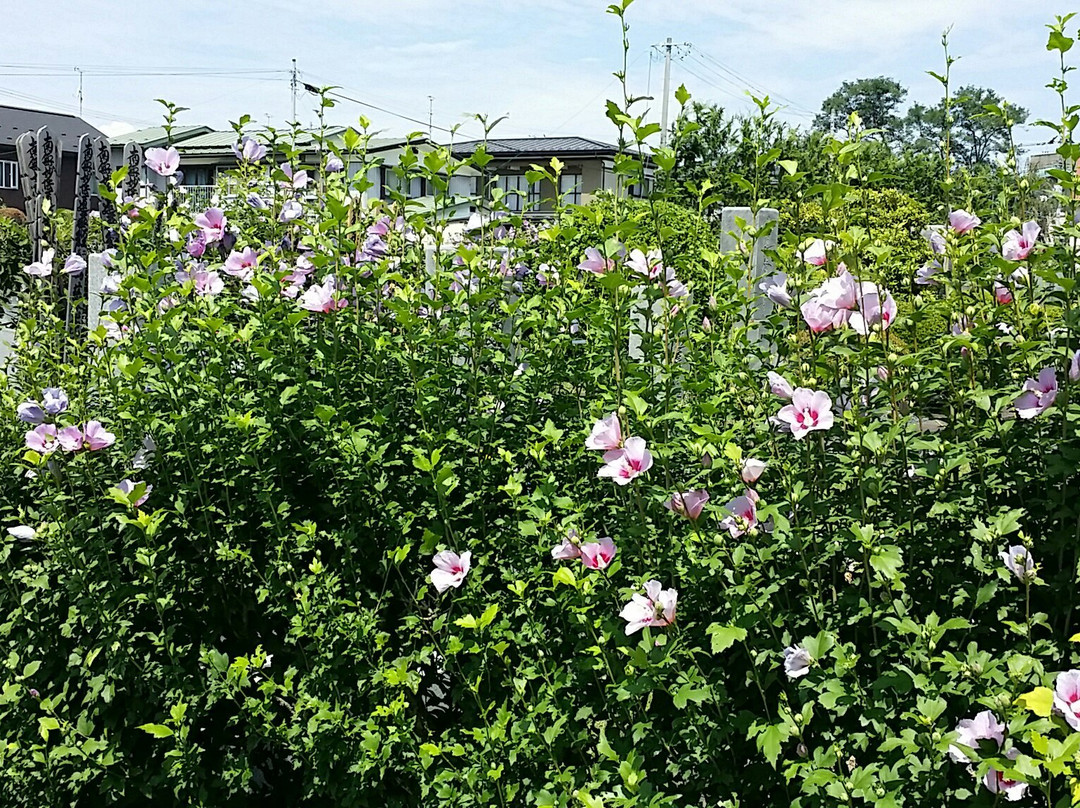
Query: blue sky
point(545, 63)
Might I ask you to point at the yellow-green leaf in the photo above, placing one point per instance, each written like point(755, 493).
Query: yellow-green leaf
point(1040, 701)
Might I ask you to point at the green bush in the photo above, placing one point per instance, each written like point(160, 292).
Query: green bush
point(14, 254)
point(683, 234)
point(893, 221)
point(226, 574)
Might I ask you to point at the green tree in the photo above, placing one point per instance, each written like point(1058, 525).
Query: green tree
point(977, 133)
point(875, 100)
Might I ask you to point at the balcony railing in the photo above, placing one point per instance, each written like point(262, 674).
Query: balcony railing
point(198, 196)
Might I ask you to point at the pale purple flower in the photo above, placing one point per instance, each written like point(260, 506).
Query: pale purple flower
point(595, 262)
point(655, 608)
point(752, 469)
point(42, 268)
point(296, 180)
point(546, 276)
point(257, 202)
point(73, 265)
point(775, 288)
point(207, 283)
point(673, 287)
point(1067, 697)
point(1038, 395)
point(742, 515)
point(42, 439)
point(998, 783)
point(163, 162)
point(96, 437)
point(936, 240)
point(323, 298)
point(127, 486)
point(249, 150)
point(780, 387)
point(334, 164)
point(196, 244)
point(1018, 246)
point(816, 252)
point(1019, 562)
point(623, 465)
point(688, 504)
point(1002, 295)
point(568, 549)
point(830, 305)
point(606, 434)
point(30, 412)
point(1074, 367)
point(809, 410)
point(927, 274)
point(212, 222)
point(450, 569)
point(797, 661)
point(597, 555)
point(876, 310)
point(963, 222)
point(54, 400)
point(70, 439)
point(970, 731)
point(291, 210)
point(651, 265)
point(242, 264)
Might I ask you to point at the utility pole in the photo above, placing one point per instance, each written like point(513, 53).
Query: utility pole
point(667, 92)
point(79, 71)
point(430, 115)
point(669, 48)
point(295, 86)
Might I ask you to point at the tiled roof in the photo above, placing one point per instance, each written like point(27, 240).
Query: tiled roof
point(16, 120)
point(536, 146)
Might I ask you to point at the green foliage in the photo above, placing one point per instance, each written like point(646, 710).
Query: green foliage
point(874, 100)
point(893, 221)
point(233, 601)
point(685, 236)
point(14, 253)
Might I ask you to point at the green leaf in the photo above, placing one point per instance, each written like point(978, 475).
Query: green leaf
point(689, 693)
point(1039, 701)
point(564, 575)
point(157, 730)
point(723, 637)
point(1059, 42)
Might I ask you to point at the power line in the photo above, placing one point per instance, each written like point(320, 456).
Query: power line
point(719, 66)
point(71, 108)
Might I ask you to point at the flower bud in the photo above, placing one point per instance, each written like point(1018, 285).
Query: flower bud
point(706, 460)
point(801, 750)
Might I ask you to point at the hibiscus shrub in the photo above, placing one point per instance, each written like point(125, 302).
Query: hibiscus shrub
point(357, 506)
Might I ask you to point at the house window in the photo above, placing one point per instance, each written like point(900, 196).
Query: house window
point(570, 188)
point(9, 174)
point(535, 195)
point(411, 188)
point(516, 189)
point(199, 175)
